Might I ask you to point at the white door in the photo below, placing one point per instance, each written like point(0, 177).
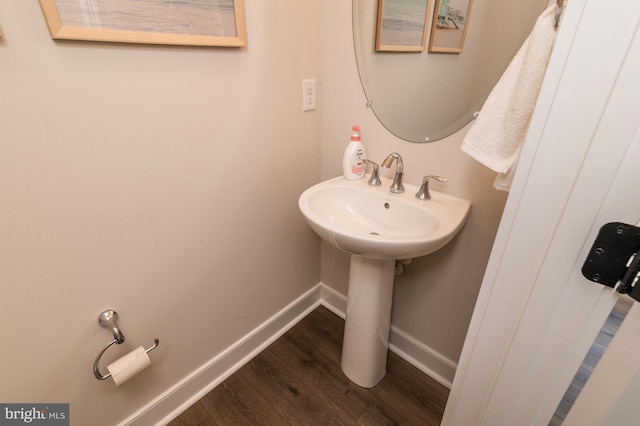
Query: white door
point(536, 316)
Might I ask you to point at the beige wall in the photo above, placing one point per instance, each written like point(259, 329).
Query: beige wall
point(163, 182)
point(159, 181)
point(434, 298)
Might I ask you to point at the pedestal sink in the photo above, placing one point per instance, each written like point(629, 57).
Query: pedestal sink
point(377, 228)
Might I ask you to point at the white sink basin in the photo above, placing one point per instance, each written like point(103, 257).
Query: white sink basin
point(376, 227)
point(374, 223)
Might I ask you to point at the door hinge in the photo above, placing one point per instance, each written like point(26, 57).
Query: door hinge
point(614, 259)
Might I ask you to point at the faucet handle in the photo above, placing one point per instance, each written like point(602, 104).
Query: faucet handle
point(375, 177)
point(423, 193)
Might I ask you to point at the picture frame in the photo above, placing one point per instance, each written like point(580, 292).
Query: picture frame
point(188, 23)
point(449, 26)
point(402, 26)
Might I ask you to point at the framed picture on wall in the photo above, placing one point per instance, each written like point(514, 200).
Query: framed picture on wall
point(402, 25)
point(449, 26)
point(185, 22)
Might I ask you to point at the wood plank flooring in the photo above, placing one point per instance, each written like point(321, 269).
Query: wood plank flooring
point(298, 381)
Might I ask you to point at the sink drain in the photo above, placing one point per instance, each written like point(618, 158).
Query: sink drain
point(373, 233)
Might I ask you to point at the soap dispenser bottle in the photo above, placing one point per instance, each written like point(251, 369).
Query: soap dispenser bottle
point(353, 166)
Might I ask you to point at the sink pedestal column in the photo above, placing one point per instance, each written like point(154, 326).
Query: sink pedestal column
point(366, 331)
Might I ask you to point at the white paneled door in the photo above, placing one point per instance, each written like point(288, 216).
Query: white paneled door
point(536, 315)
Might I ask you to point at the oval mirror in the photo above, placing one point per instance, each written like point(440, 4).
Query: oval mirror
point(426, 96)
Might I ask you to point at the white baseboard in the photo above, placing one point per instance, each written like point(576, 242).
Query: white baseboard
point(185, 393)
point(332, 300)
point(181, 396)
point(425, 359)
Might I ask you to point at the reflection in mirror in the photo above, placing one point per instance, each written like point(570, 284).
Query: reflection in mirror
point(421, 96)
point(402, 26)
point(449, 26)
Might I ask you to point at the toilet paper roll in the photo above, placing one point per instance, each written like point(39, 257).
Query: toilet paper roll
point(129, 366)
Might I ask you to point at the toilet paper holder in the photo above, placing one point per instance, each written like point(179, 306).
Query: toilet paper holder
point(109, 319)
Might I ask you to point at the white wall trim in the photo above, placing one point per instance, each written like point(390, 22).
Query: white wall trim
point(421, 356)
point(185, 393)
point(333, 301)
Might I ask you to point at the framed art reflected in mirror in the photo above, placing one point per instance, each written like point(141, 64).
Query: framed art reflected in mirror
point(402, 25)
point(449, 27)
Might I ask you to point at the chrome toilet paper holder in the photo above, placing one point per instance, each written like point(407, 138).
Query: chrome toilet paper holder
point(109, 319)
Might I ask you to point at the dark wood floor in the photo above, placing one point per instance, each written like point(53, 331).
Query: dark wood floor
point(298, 381)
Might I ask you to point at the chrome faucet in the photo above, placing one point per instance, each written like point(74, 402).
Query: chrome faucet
point(396, 187)
point(375, 177)
point(423, 193)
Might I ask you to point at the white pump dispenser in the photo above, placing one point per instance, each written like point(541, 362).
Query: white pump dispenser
point(353, 166)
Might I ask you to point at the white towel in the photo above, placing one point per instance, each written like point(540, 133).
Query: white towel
point(496, 137)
